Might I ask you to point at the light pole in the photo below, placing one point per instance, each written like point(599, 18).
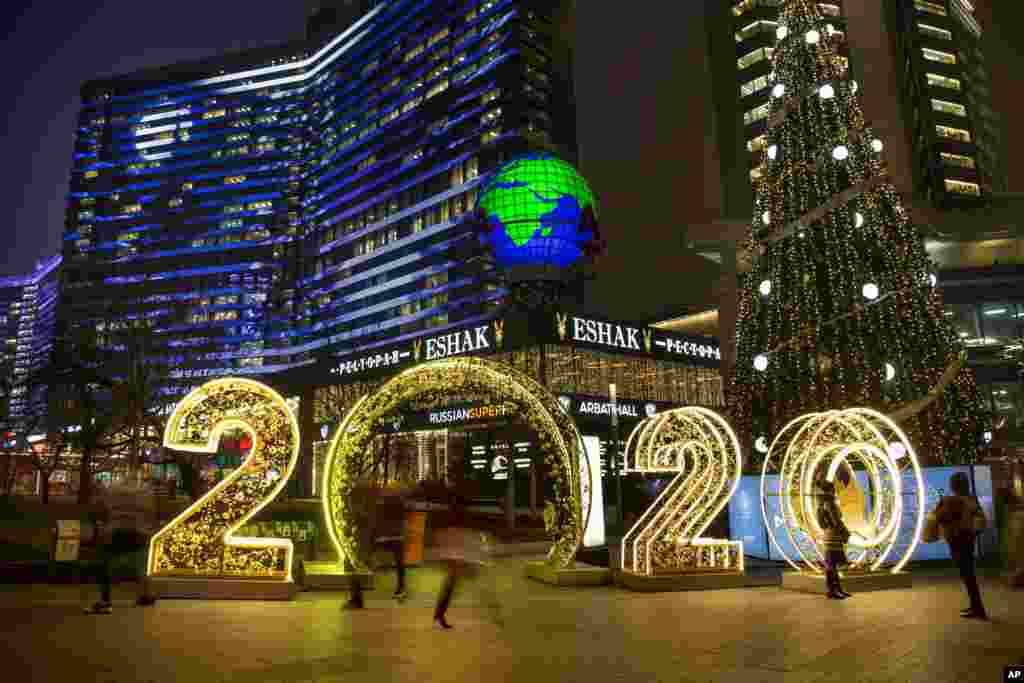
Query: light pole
point(613, 461)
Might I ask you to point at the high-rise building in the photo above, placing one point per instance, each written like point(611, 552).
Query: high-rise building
point(28, 314)
point(262, 208)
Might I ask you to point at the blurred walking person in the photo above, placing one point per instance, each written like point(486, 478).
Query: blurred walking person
point(961, 518)
point(452, 540)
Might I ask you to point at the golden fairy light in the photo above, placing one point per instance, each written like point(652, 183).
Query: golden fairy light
point(702, 449)
point(566, 514)
point(201, 541)
point(835, 446)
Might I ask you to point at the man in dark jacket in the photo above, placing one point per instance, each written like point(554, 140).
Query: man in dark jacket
point(385, 522)
point(957, 515)
point(111, 542)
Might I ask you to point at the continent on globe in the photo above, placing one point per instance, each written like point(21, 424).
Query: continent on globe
point(536, 210)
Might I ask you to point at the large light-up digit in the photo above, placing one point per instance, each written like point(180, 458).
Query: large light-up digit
point(877, 479)
point(699, 446)
point(201, 541)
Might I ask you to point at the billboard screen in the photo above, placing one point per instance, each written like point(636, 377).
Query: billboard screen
point(747, 524)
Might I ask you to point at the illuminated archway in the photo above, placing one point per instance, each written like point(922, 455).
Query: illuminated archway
point(564, 516)
point(885, 513)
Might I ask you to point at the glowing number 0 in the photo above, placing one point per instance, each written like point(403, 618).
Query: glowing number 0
point(891, 500)
point(699, 445)
point(201, 541)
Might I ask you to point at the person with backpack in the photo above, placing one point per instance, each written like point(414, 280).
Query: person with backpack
point(960, 519)
point(836, 535)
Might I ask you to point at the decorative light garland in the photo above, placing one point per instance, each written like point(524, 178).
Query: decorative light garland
point(200, 542)
point(565, 516)
point(815, 447)
point(837, 224)
point(701, 448)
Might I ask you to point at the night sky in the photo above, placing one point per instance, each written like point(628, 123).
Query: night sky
point(645, 125)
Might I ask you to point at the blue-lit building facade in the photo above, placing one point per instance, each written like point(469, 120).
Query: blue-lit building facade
point(28, 316)
point(263, 210)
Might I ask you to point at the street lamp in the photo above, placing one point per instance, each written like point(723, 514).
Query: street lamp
point(614, 459)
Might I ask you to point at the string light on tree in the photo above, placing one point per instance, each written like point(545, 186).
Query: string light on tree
point(781, 32)
point(890, 372)
point(766, 217)
point(779, 90)
point(897, 450)
point(765, 287)
point(832, 334)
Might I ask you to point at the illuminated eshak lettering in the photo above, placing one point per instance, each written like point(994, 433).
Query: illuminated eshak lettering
point(606, 334)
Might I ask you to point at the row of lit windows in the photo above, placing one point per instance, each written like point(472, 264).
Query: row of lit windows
point(751, 87)
point(963, 187)
point(930, 7)
point(953, 108)
point(435, 89)
point(949, 133)
point(938, 56)
point(957, 160)
point(755, 56)
point(751, 30)
point(756, 114)
point(939, 81)
point(934, 31)
point(459, 174)
point(739, 9)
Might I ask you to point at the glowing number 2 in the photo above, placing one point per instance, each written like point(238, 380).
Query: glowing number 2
point(201, 541)
point(699, 445)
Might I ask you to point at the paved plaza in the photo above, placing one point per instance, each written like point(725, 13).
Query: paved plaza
point(539, 634)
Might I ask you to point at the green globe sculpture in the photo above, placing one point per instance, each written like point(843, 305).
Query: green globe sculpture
point(536, 210)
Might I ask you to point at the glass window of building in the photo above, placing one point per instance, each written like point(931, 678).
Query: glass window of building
point(937, 81)
point(1008, 402)
point(1000, 323)
point(930, 7)
point(751, 30)
point(962, 187)
point(934, 31)
point(964, 319)
point(754, 56)
point(938, 56)
point(751, 87)
point(756, 114)
point(957, 160)
point(958, 134)
point(946, 107)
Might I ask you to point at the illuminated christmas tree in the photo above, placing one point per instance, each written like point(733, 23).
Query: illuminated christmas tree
point(839, 306)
